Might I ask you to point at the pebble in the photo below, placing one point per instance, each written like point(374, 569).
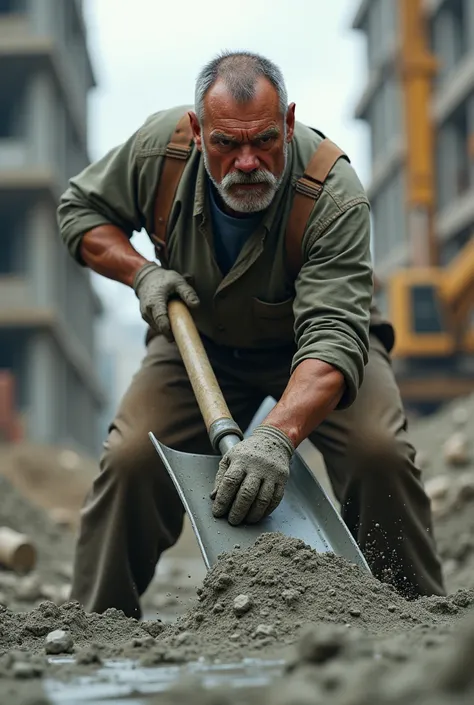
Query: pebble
point(58, 642)
point(24, 671)
point(290, 596)
point(242, 604)
point(264, 630)
point(455, 450)
point(320, 644)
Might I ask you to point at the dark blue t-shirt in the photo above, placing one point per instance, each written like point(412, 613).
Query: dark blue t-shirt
point(230, 234)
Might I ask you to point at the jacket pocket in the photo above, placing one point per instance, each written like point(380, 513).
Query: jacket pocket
point(273, 322)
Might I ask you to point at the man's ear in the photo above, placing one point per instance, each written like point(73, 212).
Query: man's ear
point(196, 129)
point(290, 122)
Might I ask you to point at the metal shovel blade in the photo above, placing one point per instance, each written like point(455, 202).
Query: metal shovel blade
point(305, 512)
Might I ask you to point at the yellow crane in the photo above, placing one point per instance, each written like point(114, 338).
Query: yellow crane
point(441, 298)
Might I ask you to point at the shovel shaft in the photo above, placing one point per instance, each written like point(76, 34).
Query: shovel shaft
point(215, 412)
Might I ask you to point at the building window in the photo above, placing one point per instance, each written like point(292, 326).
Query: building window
point(426, 311)
point(449, 37)
point(453, 170)
point(450, 249)
point(388, 210)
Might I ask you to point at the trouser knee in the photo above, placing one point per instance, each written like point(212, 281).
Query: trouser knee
point(131, 459)
point(379, 455)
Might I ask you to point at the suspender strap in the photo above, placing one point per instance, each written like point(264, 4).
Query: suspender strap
point(177, 152)
point(308, 190)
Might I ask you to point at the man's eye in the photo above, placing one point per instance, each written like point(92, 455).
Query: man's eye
point(225, 143)
point(264, 141)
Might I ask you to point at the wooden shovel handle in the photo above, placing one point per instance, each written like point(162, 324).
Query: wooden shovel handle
point(201, 375)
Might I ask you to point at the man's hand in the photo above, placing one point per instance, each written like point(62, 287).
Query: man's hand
point(154, 287)
point(252, 476)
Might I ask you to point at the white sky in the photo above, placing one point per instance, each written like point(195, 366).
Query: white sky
point(146, 55)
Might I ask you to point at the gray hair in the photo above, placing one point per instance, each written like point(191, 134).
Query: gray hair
point(239, 70)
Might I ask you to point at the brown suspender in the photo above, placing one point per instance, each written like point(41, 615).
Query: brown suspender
point(308, 189)
point(177, 153)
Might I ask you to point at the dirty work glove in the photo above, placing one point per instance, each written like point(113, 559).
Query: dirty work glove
point(252, 476)
point(154, 287)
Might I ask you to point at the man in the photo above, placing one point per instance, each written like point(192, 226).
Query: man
point(314, 342)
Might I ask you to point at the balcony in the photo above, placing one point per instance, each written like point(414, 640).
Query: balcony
point(22, 46)
point(19, 309)
point(454, 91)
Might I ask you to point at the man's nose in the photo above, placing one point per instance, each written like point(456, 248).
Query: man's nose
point(247, 161)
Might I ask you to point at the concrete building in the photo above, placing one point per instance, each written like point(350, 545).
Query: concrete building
point(47, 304)
point(419, 105)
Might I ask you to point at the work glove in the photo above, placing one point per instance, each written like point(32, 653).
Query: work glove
point(154, 287)
point(252, 476)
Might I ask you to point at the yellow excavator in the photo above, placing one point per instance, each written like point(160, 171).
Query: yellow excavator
point(432, 311)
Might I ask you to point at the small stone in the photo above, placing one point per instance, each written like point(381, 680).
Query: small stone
point(237, 545)
point(264, 630)
point(59, 642)
point(354, 612)
point(455, 450)
point(223, 581)
point(465, 490)
point(218, 608)
point(235, 636)
point(438, 487)
point(391, 608)
point(290, 596)
point(182, 638)
point(321, 644)
point(242, 604)
point(89, 655)
point(24, 671)
point(264, 612)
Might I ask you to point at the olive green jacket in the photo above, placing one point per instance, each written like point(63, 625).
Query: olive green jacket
point(325, 312)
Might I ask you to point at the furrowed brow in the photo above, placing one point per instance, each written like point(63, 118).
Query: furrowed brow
point(270, 132)
point(215, 136)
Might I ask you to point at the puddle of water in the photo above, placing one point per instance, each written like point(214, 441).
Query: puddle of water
point(130, 684)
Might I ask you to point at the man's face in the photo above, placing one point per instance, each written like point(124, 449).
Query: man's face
point(244, 145)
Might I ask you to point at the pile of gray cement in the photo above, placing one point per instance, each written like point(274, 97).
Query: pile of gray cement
point(252, 600)
point(346, 637)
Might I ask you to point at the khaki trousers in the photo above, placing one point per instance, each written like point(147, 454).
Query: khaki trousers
point(133, 513)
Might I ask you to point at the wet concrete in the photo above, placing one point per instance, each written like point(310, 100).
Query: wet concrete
point(131, 684)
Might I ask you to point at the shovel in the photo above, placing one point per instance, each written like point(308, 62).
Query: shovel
point(305, 512)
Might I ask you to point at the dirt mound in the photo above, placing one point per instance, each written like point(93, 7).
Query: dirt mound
point(262, 596)
point(446, 444)
point(53, 478)
point(251, 599)
point(27, 630)
point(50, 579)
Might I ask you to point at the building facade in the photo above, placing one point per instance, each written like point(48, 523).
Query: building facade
point(419, 105)
point(48, 307)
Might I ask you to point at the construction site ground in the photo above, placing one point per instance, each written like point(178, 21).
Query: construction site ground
point(276, 624)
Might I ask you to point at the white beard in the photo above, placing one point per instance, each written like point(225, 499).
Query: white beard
point(245, 200)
